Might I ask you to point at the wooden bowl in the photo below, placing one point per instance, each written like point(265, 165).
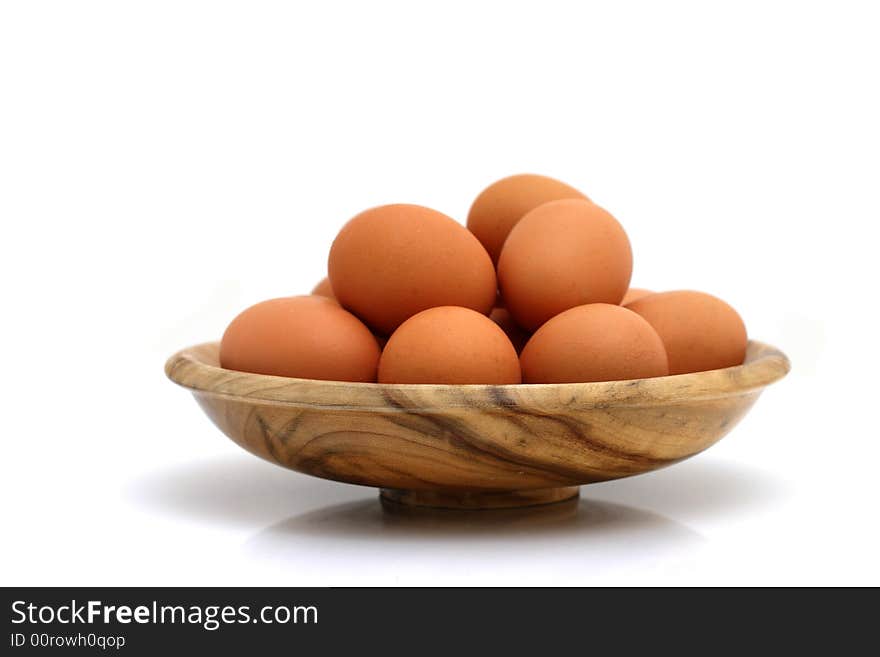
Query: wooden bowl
point(475, 446)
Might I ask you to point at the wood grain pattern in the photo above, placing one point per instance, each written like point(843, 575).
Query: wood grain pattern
point(461, 442)
point(479, 500)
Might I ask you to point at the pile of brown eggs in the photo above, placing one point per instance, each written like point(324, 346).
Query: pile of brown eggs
point(534, 290)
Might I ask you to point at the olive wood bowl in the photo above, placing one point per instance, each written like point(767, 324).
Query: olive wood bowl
point(475, 446)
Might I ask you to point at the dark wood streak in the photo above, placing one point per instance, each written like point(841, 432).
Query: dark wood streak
point(317, 465)
point(501, 398)
point(289, 429)
point(459, 434)
point(581, 430)
point(266, 431)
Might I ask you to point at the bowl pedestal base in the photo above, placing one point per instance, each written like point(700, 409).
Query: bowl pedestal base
point(478, 499)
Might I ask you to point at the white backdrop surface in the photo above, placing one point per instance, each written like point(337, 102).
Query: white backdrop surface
point(165, 164)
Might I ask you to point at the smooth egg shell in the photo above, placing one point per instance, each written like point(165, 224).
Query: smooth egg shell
point(502, 204)
point(324, 289)
point(393, 261)
point(449, 345)
point(632, 294)
point(595, 342)
point(309, 337)
point(560, 255)
point(700, 332)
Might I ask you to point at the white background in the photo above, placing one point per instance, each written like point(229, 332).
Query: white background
point(165, 164)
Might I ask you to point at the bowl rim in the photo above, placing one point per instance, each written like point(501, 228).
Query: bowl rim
point(193, 369)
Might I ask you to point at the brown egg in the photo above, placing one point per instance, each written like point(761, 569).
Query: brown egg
point(503, 203)
point(324, 289)
point(309, 337)
point(700, 331)
point(596, 342)
point(515, 334)
point(560, 255)
point(449, 345)
point(391, 262)
point(631, 295)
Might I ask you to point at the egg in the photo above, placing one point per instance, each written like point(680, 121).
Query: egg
point(324, 289)
point(560, 255)
point(515, 334)
point(309, 337)
point(503, 203)
point(595, 342)
point(631, 295)
point(700, 332)
point(391, 262)
point(449, 345)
